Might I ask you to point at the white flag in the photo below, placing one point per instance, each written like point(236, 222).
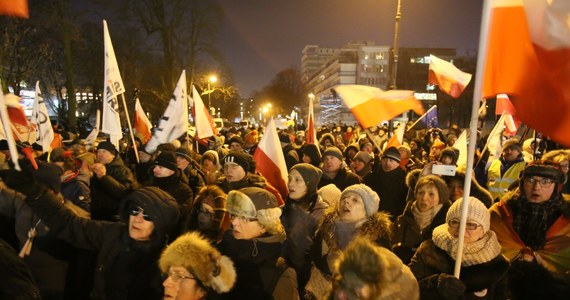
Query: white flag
point(174, 121)
point(92, 137)
point(113, 86)
point(202, 119)
point(461, 145)
point(40, 118)
point(495, 139)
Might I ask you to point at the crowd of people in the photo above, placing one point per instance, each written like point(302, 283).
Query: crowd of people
point(361, 220)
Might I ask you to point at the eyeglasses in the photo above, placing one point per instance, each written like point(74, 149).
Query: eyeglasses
point(543, 182)
point(135, 211)
point(176, 277)
point(453, 223)
point(242, 219)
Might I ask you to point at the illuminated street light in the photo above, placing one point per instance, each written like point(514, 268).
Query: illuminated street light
point(211, 79)
point(395, 49)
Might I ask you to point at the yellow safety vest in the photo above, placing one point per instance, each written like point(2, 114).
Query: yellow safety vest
point(498, 184)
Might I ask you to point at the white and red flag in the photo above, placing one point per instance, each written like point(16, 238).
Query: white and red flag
point(270, 161)
point(448, 77)
point(142, 123)
point(371, 105)
point(23, 130)
point(41, 121)
point(204, 123)
point(397, 138)
point(311, 132)
point(505, 106)
point(174, 121)
point(528, 58)
point(113, 86)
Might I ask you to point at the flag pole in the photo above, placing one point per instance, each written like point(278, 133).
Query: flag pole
point(423, 116)
point(482, 56)
point(130, 127)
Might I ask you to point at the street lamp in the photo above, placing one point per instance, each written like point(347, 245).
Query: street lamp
point(211, 79)
point(395, 49)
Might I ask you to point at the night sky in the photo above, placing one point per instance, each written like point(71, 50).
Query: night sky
point(259, 38)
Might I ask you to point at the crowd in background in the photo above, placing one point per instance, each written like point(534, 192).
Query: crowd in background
point(362, 219)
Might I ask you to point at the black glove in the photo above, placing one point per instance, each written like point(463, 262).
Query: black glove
point(32, 182)
point(449, 286)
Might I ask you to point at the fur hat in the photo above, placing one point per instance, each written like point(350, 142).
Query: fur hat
point(450, 152)
point(193, 252)
point(363, 156)
point(106, 145)
point(256, 203)
point(477, 212)
point(393, 153)
point(406, 148)
point(333, 151)
point(311, 175)
point(513, 144)
point(237, 158)
point(544, 169)
point(369, 197)
point(166, 159)
point(213, 157)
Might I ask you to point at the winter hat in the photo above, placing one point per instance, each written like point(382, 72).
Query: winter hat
point(106, 145)
point(237, 158)
point(236, 139)
point(4, 145)
point(369, 197)
point(213, 270)
point(284, 138)
point(513, 144)
point(256, 203)
point(333, 151)
point(49, 175)
point(450, 152)
point(166, 159)
point(213, 157)
point(393, 153)
point(312, 151)
point(406, 148)
point(477, 212)
point(184, 152)
point(544, 169)
point(311, 175)
point(330, 194)
point(159, 205)
point(166, 147)
point(438, 144)
point(363, 156)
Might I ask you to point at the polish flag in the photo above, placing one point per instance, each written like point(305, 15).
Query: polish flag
point(528, 57)
point(270, 161)
point(397, 138)
point(505, 106)
point(142, 123)
point(371, 105)
point(448, 77)
point(202, 119)
point(23, 130)
point(16, 8)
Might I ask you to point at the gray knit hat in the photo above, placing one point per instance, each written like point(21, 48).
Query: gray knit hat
point(363, 156)
point(311, 175)
point(477, 212)
point(369, 197)
point(256, 203)
point(393, 153)
point(333, 151)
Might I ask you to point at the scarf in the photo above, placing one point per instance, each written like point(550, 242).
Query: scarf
point(479, 252)
point(532, 220)
point(424, 218)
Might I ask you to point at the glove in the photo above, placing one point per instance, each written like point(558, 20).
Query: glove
point(449, 286)
point(32, 182)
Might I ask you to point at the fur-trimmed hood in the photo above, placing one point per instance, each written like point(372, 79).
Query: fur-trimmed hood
point(204, 262)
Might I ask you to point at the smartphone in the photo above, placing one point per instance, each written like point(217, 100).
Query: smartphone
point(445, 170)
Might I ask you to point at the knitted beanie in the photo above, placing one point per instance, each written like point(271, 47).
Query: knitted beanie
point(236, 139)
point(369, 197)
point(237, 158)
point(477, 212)
point(166, 159)
point(312, 151)
point(184, 152)
point(195, 253)
point(363, 156)
point(330, 193)
point(311, 175)
point(393, 153)
point(256, 203)
point(106, 145)
point(333, 151)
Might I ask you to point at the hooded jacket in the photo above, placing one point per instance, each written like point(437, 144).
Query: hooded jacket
point(122, 263)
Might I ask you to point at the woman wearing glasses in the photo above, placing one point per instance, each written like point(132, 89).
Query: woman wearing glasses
point(483, 269)
point(254, 243)
point(127, 251)
point(533, 222)
point(193, 269)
